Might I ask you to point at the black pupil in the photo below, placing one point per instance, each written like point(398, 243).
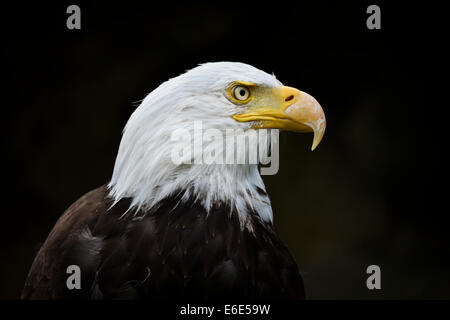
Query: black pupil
point(242, 92)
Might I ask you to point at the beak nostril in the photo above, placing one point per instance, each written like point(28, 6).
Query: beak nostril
point(289, 98)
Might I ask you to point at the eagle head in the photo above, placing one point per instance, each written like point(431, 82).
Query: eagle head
point(231, 98)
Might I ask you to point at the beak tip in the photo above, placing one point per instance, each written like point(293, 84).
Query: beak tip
point(314, 146)
point(308, 112)
point(317, 139)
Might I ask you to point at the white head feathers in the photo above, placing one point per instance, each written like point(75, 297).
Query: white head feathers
point(144, 169)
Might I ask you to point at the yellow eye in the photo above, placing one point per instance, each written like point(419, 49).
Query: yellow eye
point(240, 92)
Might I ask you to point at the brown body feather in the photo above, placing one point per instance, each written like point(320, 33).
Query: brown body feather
point(174, 251)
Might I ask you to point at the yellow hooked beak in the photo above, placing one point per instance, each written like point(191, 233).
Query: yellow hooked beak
point(288, 109)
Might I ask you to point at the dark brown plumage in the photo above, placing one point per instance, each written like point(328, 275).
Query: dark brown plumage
point(173, 251)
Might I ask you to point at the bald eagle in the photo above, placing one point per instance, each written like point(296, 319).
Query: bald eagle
point(166, 230)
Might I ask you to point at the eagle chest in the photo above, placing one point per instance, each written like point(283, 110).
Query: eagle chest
point(180, 250)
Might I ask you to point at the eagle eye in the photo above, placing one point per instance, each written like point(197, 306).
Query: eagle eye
point(240, 93)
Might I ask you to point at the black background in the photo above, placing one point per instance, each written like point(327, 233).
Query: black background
point(374, 192)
